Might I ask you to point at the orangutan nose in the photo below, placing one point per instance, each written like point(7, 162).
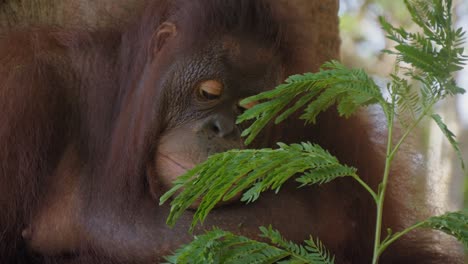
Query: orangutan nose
point(222, 126)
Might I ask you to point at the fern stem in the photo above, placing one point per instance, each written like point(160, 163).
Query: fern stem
point(396, 236)
point(378, 247)
point(413, 126)
point(383, 187)
point(367, 187)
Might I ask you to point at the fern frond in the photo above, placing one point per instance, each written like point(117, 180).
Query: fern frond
point(333, 84)
point(408, 100)
point(450, 136)
point(224, 175)
point(453, 223)
point(436, 53)
point(218, 246)
point(311, 252)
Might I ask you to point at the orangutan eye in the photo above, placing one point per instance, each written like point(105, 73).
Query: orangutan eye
point(210, 90)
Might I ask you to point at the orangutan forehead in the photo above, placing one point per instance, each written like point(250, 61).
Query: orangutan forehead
point(251, 55)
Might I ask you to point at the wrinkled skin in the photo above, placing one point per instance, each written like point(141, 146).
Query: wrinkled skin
point(96, 126)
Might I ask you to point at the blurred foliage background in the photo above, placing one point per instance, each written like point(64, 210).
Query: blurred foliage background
point(362, 41)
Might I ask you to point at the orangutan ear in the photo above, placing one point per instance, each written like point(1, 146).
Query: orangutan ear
point(165, 31)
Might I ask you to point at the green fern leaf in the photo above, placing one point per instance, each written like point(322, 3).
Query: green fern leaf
point(218, 246)
point(453, 223)
point(311, 252)
point(450, 136)
point(434, 54)
point(224, 175)
point(334, 83)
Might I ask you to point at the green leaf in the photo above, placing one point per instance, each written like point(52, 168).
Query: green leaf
point(453, 223)
point(334, 83)
point(218, 246)
point(227, 174)
point(434, 53)
point(312, 252)
point(450, 136)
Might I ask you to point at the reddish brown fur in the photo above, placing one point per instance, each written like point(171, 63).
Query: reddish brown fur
point(74, 124)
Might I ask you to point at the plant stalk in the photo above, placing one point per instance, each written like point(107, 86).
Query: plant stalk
point(369, 189)
point(381, 191)
point(378, 247)
point(396, 236)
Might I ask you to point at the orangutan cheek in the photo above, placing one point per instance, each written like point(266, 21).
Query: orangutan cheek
point(169, 170)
